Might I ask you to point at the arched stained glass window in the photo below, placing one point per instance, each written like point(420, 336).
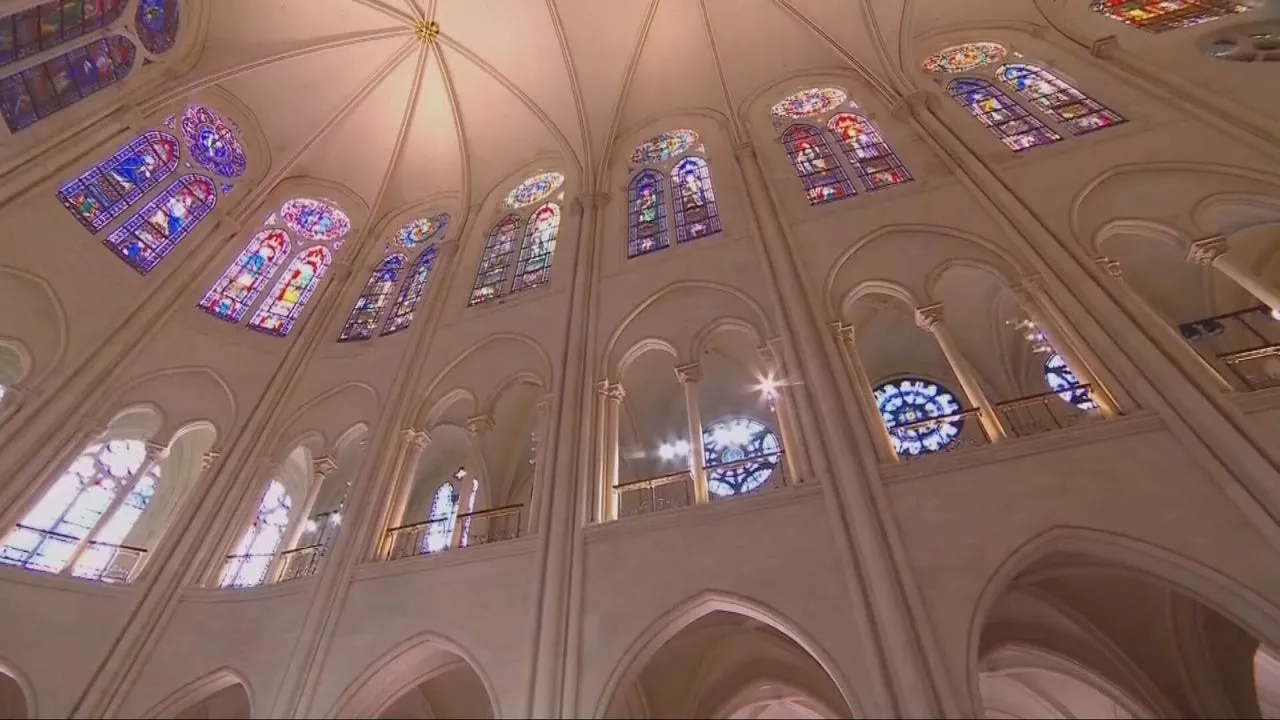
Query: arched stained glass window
point(51, 24)
point(876, 164)
point(144, 239)
point(411, 292)
point(444, 510)
point(539, 247)
point(60, 82)
point(646, 214)
point(157, 24)
point(1064, 382)
point(1162, 15)
point(1015, 127)
point(1078, 112)
point(491, 278)
point(741, 454)
point(213, 141)
point(249, 562)
point(235, 291)
point(907, 407)
point(819, 171)
point(697, 214)
point(99, 196)
point(52, 532)
point(364, 316)
point(282, 307)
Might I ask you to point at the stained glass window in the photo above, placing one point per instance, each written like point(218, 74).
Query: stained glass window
point(62, 81)
point(534, 267)
point(213, 141)
point(103, 192)
point(1162, 15)
point(281, 308)
point(533, 190)
point(962, 58)
point(492, 276)
point(740, 455)
point(364, 316)
point(819, 171)
point(51, 24)
point(646, 214)
point(1064, 382)
point(444, 510)
point(157, 24)
point(47, 536)
point(697, 214)
point(1078, 112)
point(814, 101)
point(422, 231)
point(907, 406)
point(411, 292)
point(663, 147)
point(251, 559)
point(876, 164)
point(1015, 127)
point(235, 291)
point(315, 220)
point(144, 239)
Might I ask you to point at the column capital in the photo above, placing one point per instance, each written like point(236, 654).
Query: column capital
point(323, 467)
point(588, 200)
point(615, 392)
point(479, 425)
point(842, 332)
point(1104, 47)
point(1108, 265)
point(157, 451)
point(929, 316)
point(911, 104)
point(415, 437)
point(689, 373)
point(1206, 250)
point(208, 459)
point(1029, 286)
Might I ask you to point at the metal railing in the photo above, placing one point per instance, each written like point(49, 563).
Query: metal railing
point(972, 434)
point(1244, 346)
point(434, 535)
point(1048, 411)
point(300, 562)
point(777, 476)
point(100, 561)
point(640, 497)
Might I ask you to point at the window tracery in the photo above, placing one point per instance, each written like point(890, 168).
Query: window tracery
point(741, 454)
point(156, 22)
point(534, 266)
point(908, 406)
point(1016, 128)
point(51, 24)
point(238, 288)
point(697, 214)
point(533, 190)
point(1074, 110)
point(820, 173)
point(287, 300)
point(213, 142)
point(646, 214)
point(491, 277)
point(872, 159)
point(368, 308)
point(147, 237)
point(693, 197)
point(103, 192)
point(411, 293)
point(28, 96)
point(251, 559)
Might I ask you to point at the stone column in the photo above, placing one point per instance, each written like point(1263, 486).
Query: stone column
point(785, 414)
point(322, 468)
point(529, 517)
point(930, 318)
point(689, 376)
point(154, 454)
point(478, 428)
point(1026, 295)
point(868, 406)
point(613, 397)
point(412, 443)
point(1212, 251)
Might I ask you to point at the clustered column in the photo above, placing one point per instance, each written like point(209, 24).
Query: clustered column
point(613, 395)
point(1212, 251)
point(689, 376)
point(412, 443)
point(870, 410)
point(931, 318)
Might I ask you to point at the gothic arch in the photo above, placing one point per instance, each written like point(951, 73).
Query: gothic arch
point(540, 356)
point(46, 340)
point(17, 694)
point(175, 391)
point(201, 689)
point(347, 395)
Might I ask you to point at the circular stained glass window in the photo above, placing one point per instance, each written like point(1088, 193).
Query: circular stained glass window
point(535, 189)
point(1064, 382)
point(814, 101)
point(740, 455)
point(663, 147)
point(213, 141)
point(960, 58)
point(421, 231)
point(315, 220)
point(907, 405)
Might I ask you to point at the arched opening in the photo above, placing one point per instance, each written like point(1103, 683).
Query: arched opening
point(13, 699)
point(726, 665)
point(1073, 635)
point(229, 703)
point(423, 678)
point(457, 692)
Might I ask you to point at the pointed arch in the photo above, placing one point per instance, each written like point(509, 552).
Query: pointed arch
point(491, 277)
point(444, 510)
point(281, 309)
point(697, 214)
point(539, 248)
point(819, 171)
point(200, 690)
point(1058, 99)
point(249, 561)
point(411, 292)
point(31, 95)
point(871, 157)
point(646, 214)
point(368, 308)
point(104, 191)
point(147, 237)
point(50, 25)
point(237, 289)
point(1010, 122)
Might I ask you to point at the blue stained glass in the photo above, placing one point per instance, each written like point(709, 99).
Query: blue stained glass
point(444, 511)
point(534, 267)
point(99, 196)
point(819, 171)
point(149, 235)
point(213, 141)
point(1015, 127)
point(364, 316)
point(908, 404)
point(285, 303)
point(697, 214)
point(51, 24)
point(740, 455)
point(411, 293)
point(233, 293)
point(157, 24)
point(1078, 112)
point(646, 214)
point(38, 92)
point(422, 231)
point(1064, 382)
point(491, 277)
